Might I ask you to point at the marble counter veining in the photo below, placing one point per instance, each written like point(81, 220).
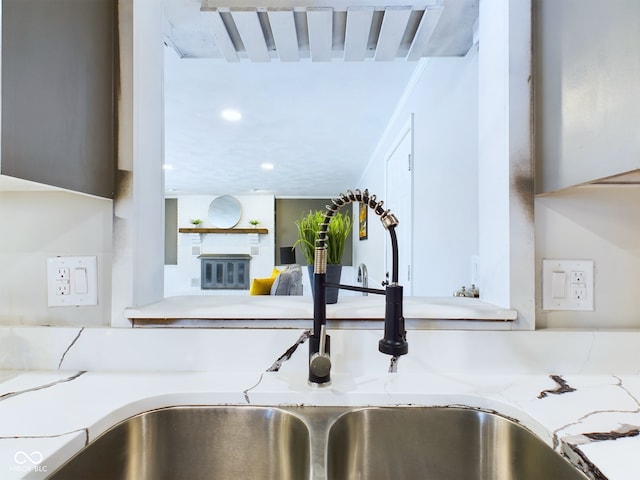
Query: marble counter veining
point(560, 385)
point(45, 417)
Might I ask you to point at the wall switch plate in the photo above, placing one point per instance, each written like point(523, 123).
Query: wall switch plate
point(567, 284)
point(72, 281)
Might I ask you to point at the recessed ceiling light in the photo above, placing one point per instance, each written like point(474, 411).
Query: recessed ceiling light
point(231, 115)
point(266, 166)
point(166, 166)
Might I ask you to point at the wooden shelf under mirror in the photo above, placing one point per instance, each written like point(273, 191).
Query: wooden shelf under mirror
point(223, 230)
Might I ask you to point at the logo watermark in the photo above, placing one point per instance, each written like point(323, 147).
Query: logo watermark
point(28, 462)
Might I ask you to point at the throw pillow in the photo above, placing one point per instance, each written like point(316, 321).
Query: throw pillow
point(262, 286)
point(289, 282)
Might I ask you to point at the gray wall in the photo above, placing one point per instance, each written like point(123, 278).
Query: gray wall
point(587, 90)
point(58, 93)
point(171, 231)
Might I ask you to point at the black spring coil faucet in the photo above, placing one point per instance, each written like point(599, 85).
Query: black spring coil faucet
point(394, 341)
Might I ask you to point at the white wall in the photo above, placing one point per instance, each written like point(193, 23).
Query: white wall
point(138, 226)
point(444, 100)
point(600, 223)
point(38, 225)
point(506, 177)
point(184, 278)
point(446, 176)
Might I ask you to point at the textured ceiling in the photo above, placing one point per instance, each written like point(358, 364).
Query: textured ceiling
point(318, 123)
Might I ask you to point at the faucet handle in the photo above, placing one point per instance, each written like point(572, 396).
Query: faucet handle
point(323, 340)
point(320, 363)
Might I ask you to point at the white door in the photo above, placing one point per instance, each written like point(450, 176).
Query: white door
point(399, 199)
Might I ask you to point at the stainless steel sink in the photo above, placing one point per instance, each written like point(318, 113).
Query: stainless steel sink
point(304, 443)
point(439, 443)
point(195, 443)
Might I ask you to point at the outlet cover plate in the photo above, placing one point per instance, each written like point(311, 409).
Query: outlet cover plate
point(72, 281)
point(567, 284)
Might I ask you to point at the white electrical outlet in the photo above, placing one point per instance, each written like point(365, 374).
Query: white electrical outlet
point(63, 287)
point(72, 281)
point(567, 284)
point(577, 276)
point(62, 273)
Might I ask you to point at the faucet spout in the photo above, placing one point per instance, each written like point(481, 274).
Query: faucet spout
point(363, 277)
point(394, 342)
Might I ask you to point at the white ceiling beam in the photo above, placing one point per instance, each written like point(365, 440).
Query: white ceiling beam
point(283, 28)
point(320, 24)
point(221, 36)
point(250, 31)
point(357, 33)
point(394, 23)
point(302, 5)
point(427, 26)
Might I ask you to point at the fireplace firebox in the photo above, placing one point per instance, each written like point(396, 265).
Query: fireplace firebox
point(224, 271)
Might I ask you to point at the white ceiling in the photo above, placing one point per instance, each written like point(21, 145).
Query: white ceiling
point(318, 123)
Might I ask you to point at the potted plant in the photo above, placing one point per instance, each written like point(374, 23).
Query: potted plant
point(196, 222)
point(255, 222)
point(337, 233)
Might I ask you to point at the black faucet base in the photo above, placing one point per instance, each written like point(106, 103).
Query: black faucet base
point(395, 336)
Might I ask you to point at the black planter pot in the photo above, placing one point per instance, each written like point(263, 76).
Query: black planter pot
point(334, 272)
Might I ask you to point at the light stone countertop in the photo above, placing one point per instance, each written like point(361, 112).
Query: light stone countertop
point(186, 310)
point(559, 385)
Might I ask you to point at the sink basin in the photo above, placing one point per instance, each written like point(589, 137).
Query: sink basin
point(438, 443)
point(317, 443)
point(196, 443)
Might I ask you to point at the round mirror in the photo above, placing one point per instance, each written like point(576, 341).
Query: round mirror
point(225, 212)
